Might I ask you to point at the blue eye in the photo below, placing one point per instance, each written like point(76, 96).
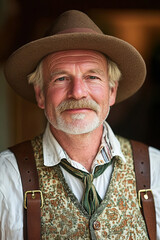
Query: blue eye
point(93, 77)
point(61, 79)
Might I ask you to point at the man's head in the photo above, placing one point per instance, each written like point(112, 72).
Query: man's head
point(74, 30)
point(76, 89)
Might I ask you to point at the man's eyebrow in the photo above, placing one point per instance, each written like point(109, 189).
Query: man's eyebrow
point(98, 71)
point(58, 72)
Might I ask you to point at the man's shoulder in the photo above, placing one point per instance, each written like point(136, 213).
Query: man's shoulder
point(8, 164)
point(154, 155)
point(155, 152)
point(5, 154)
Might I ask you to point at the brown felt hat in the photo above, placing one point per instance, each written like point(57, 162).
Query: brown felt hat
point(75, 30)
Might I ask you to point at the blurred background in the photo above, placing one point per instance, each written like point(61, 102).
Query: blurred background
point(137, 22)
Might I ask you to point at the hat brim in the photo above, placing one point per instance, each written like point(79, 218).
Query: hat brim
point(23, 61)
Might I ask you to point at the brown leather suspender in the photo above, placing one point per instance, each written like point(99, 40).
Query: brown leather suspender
point(33, 199)
point(146, 200)
point(32, 195)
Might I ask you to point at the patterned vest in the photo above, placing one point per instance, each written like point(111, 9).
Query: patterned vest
point(117, 217)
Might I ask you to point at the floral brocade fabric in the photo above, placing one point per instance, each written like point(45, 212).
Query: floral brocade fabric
point(118, 216)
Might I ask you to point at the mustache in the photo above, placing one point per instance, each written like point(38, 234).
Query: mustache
point(75, 104)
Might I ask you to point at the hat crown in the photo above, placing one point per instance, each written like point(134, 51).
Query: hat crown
point(73, 21)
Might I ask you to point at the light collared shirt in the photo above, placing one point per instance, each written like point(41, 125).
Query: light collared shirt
point(11, 194)
point(110, 147)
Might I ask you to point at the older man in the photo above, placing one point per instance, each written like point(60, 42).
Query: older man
point(85, 173)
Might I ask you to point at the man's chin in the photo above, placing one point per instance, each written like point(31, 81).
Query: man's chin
point(78, 126)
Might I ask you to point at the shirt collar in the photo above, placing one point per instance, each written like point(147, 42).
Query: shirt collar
point(53, 152)
point(110, 143)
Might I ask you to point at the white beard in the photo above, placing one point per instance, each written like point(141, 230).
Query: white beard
point(75, 127)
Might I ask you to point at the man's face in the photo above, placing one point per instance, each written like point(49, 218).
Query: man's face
point(76, 94)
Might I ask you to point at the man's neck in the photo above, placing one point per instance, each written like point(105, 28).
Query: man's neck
point(82, 148)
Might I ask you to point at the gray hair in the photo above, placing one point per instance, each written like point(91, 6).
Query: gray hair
point(36, 77)
point(114, 74)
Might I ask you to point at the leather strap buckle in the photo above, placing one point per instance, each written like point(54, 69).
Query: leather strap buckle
point(33, 192)
point(145, 195)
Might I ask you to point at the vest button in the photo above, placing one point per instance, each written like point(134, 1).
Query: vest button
point(96, 225)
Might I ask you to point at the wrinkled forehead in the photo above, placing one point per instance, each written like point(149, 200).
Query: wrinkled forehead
point(74, 56)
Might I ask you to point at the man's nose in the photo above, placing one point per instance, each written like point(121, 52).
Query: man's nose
point(78, 88)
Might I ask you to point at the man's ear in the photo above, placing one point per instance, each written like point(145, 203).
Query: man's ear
point(39, 96)
point(113, 94)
